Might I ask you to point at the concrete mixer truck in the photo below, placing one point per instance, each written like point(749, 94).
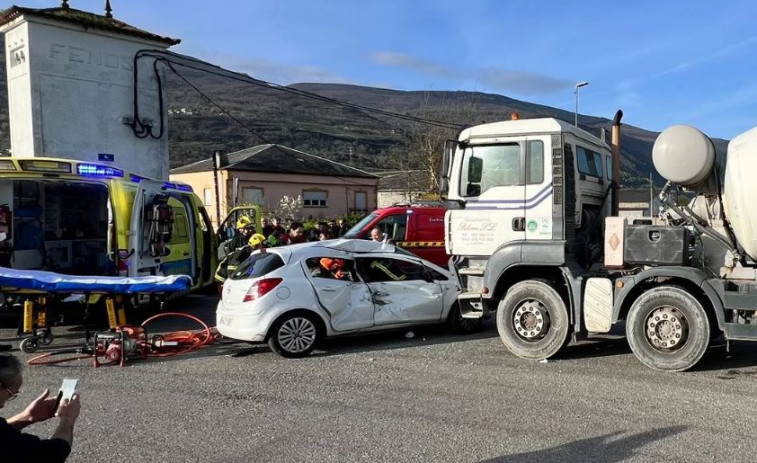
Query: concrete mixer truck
point(533, 231)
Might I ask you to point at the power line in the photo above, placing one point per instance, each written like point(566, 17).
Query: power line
point(171, 59)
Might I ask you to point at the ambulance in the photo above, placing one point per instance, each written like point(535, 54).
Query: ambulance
point(84, 218)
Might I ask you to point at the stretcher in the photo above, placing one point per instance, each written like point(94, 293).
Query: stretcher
point(38, 287)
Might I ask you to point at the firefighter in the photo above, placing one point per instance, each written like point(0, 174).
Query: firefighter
point(245, 229)
point(230, 263)
point(335, 267)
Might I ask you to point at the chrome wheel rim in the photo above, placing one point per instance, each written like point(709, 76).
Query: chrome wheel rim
point(297, 335)
point(531, 320)
point(666, 328)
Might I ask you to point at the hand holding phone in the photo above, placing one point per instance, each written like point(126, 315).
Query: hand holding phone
point(67, 389)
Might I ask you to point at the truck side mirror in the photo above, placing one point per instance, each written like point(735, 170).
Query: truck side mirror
point(449, 149)
point(475, 169)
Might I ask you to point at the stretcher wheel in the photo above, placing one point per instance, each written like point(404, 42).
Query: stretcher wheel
point(29, 345)
point(47, 338)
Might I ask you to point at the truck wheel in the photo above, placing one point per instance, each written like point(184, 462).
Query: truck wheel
point(667, 329)
point(532, 320)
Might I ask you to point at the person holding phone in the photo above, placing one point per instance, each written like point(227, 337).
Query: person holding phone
point(16, 446)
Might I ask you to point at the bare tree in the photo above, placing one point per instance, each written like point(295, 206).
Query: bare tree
point(426, 142)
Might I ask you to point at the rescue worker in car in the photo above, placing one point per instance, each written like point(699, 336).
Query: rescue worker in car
point(230, 263)
point(335, 268)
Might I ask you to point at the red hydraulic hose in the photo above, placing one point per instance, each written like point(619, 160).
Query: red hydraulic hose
point(186, 341)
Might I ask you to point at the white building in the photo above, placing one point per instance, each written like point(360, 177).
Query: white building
point(71, 88)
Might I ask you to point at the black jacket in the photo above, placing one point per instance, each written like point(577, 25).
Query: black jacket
point(19, 447)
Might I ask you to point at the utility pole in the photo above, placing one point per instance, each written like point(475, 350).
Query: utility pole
point(216, 164)
point(651, 196)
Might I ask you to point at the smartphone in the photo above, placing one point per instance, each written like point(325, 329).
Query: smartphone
point(67, 389)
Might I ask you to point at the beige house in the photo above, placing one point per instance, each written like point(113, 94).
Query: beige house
point(264, 174)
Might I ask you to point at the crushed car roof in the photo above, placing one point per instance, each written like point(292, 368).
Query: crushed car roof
point(349, 245)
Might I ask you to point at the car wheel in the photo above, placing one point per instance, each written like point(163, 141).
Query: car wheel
point(295, 335)
point(458, 324)
point(532, 320)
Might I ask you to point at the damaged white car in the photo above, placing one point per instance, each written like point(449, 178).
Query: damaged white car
point(294, 296)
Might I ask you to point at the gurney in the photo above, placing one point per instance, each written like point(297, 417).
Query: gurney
point(37, 287)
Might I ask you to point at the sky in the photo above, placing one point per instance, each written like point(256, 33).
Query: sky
point(661, 62)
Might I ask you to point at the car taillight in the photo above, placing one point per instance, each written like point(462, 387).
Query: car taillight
point(260, 288)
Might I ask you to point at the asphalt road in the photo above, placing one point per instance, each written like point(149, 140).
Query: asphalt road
point(385, 398)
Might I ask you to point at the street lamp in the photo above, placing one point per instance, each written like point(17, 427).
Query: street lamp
point(578, 85)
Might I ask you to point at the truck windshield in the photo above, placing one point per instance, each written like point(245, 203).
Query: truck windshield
point(490, 166)
point(355, 231)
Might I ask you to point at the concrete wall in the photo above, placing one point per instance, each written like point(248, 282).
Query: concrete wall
point(70, 91)
point(340, 192)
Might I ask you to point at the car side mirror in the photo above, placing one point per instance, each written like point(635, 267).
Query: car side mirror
point(427, 275)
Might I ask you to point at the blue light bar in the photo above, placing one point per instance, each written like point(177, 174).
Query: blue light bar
point(95, 170)
point(184, 188)
point(136, 178)
point(169, 185)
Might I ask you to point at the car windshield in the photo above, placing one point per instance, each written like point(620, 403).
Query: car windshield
point(257, 265)
point(354, 231)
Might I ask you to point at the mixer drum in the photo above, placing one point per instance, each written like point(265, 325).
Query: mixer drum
point(684, 155)
point(740, 190)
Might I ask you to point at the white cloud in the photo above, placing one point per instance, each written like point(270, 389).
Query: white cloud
point(281, 73)
point(402, 60)
point(524, 83)
point(728, 51)
point(519, 82)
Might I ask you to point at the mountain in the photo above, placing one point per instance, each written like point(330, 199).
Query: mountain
point(364, 139)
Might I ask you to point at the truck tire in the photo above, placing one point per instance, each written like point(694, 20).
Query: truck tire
point(532, 320)
point(667, 329)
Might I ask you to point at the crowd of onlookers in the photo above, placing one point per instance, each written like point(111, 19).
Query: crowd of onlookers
point(248, 238)
point(274, 233)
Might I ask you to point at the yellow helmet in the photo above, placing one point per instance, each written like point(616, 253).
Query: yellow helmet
point(256, 239)
point(243, 221)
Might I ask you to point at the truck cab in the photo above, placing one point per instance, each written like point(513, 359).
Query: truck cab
point(416, 228)
point(528, 190)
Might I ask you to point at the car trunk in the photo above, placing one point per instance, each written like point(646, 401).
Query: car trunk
point(57, 225)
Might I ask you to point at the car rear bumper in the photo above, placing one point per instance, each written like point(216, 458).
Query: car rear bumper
point(241, 326)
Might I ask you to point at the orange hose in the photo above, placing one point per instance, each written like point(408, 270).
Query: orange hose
point(187, 341)
point(39, 360)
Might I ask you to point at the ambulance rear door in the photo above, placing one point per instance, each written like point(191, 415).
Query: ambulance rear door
point(151, 229)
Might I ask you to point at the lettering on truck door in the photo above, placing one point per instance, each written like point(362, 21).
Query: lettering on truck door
point(492, 185)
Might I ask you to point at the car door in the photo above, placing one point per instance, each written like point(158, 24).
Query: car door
point(347, 300)
point(228, 227)
point(400, 291)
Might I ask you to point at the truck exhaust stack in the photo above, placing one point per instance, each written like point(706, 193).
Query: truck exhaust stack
point(615, 146)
